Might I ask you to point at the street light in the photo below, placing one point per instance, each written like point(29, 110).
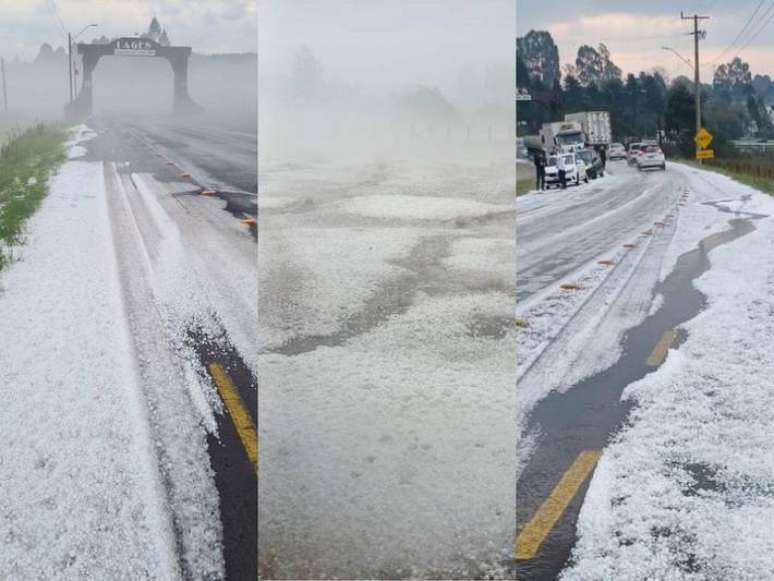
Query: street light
point(681, 57)
point(70, 39)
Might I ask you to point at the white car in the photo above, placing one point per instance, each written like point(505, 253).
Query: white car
point(616, 151)
point(633, 152)
point(575, 173)
point(651, 156)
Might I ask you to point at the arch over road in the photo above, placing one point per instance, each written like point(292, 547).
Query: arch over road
point(134, 47)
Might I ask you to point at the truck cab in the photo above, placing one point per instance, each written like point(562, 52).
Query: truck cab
point(566, 136)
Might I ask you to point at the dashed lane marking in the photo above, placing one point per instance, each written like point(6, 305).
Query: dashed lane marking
point(659, 352)
point(531, 537)
point(236, 409)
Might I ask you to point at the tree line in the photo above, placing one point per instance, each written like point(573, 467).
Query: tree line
point(644, 106)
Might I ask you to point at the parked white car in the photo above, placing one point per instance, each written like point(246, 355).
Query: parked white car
point(575, 172)
point(651, 156)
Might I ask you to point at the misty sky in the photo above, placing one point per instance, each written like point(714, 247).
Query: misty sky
point(209, 26)
point(384, 43)
point(635, 31)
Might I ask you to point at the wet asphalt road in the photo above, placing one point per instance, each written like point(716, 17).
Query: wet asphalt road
point(564, 230)
point(226, 156)
point(583, 418)
point(235, 473)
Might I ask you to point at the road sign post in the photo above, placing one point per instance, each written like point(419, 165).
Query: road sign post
point(703, 139)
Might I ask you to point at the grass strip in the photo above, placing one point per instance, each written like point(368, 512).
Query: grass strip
point(525, 185)
point(762, 184)
point(26, 162)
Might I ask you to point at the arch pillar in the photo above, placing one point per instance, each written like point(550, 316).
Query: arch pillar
point(178, 57)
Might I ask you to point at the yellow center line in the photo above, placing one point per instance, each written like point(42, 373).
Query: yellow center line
point(535, 532)
point(236, 409)
point(659, 352)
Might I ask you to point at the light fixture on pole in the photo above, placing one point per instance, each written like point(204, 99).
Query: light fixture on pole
point(681, 57)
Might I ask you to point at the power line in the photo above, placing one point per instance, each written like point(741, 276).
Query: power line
point(56, 14)
point(741, 32)
point(765, 23)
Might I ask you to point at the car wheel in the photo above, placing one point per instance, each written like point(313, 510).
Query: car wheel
point(663, 166)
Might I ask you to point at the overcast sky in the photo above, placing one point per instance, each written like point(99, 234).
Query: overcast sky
point(635, 31)
point(209, 26)
point(381, 42)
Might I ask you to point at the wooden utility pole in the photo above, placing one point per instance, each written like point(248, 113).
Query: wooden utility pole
point(697, 34)
point(5, 86)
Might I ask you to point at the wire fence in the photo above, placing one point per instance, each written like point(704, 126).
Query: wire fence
point(463, 133)
point(759, 168)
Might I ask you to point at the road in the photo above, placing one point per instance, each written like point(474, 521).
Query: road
point(628, 250)
point(182, 200)
point(387, 363)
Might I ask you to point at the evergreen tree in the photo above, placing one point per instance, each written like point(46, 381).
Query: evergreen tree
point(154, 30)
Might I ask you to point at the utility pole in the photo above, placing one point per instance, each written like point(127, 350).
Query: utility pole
point(696, 80)
point(70, 39)
point(70, 63)
point(5, 86)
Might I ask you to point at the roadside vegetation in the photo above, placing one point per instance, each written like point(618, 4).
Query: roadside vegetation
point(26, 161)
point(736, 103)
point(756, 173)
point(524, 185)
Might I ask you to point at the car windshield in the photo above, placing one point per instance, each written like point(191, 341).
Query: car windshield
point(652, 149)
point(615, 146)
point(569, 160)
point(586, 156)
point(570, 138)
point(552, 161)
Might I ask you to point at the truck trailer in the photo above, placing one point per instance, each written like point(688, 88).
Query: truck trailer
point(595, 125)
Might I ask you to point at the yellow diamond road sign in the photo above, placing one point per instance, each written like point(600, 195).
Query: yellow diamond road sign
point(703, 138)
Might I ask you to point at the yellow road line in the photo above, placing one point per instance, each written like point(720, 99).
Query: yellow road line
point(659, 352)
point(236, 409)
point(534, 533)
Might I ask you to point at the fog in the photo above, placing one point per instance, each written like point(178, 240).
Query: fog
point(356, 79)
point(387, 286)
point(225, 86)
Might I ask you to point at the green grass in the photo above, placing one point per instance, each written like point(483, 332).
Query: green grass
point(762, 184)
point(26, 161)
point(524, 185)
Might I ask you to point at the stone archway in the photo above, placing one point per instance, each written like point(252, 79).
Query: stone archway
point(135, 47)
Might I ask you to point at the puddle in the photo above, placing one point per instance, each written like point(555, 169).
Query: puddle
point(585, 416)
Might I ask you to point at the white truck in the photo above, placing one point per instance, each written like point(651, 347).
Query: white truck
point(566, 136)
point(595, 125)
